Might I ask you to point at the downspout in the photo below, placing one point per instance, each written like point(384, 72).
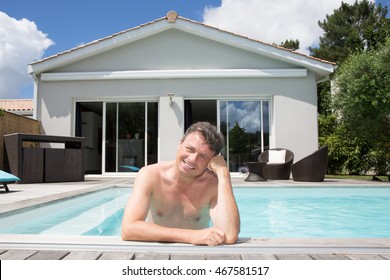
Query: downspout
point(324, 79)
point(35, 96)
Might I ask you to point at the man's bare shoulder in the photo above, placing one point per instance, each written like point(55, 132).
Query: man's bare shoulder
point(154, 172)
point(157, 168)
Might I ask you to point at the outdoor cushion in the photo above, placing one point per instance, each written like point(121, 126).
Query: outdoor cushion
point(133, 168)
point(276, 157)
point(7, 177)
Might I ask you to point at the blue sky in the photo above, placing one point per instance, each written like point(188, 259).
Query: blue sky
point(33, 29)
point(73, 22)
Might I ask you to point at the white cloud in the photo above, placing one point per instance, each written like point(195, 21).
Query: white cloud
point(273, 21)
point(20, 44)
point(245, 113)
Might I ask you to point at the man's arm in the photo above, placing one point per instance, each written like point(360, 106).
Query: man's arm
point(135, 228)
point(224, 211)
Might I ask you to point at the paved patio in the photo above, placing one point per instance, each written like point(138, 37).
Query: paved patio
point(101, 247)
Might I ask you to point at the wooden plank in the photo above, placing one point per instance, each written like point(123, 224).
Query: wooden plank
point(364, 257)
point(49, 255)
point(188, 257)
point(223, 257)
point(328, 257)
point(385, 256)
point(117, 256)
point(16, 255)
point(292, 257)
point(151, 256)
point(258, 257)
point(83, 255)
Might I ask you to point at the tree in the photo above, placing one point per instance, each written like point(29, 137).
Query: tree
point(290, 44)
point(352, 29)
point(237, 136)
point(324, 98)
point(362, 103)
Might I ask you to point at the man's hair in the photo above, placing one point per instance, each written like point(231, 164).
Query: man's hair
point(210, 133)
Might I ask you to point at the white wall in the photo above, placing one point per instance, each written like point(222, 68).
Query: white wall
point(295, 118)
point(171, 127)
point(295, 126)
point(174, 49)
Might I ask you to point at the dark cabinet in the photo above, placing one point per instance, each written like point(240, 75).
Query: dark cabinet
point(45, 164)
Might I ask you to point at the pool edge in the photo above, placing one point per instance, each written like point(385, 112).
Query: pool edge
point(244, 245)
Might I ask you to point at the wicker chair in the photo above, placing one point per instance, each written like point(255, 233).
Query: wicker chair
point(277, 171)
point(311, 168)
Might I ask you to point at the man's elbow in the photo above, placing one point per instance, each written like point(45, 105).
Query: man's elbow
point(127, 233)
point(231, 239)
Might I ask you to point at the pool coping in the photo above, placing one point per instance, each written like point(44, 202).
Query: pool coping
point(244, 245)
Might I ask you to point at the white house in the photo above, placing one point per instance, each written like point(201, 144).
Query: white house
point(133, 94)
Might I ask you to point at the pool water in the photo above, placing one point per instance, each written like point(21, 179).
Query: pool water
point(336, 212)
point(315, 212)
point(97, 213)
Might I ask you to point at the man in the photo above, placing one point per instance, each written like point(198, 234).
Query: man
point(174, 201)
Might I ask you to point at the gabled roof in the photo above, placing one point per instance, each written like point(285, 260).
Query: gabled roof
point(172, 21)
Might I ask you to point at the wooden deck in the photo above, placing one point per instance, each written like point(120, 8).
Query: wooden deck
point(120, 255)
point(35, 247)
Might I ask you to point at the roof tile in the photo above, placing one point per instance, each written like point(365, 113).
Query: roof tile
point(16, 104)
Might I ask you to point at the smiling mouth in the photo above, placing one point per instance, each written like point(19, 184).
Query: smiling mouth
point(190, 166)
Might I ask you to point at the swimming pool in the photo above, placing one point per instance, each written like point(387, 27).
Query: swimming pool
point(336, 212)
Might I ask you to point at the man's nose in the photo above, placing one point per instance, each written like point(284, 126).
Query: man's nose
point(194, 157)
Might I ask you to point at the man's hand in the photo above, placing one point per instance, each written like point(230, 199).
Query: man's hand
point(217, 163)
point(208, 236)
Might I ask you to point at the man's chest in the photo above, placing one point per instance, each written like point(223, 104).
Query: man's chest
point(180, 209)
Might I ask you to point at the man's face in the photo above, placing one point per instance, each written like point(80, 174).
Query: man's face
point(193, 154)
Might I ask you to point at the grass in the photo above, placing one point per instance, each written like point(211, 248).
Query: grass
point(357, 177)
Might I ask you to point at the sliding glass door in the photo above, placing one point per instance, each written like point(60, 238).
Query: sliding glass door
point(244, 123)
point(131, 136)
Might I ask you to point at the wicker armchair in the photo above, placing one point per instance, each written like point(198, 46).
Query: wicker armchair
point(277, 171)
point(311, 168)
